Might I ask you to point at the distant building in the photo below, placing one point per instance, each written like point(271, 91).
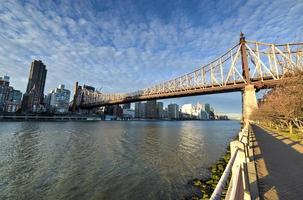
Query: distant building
point(140, 110)
point(90, 88)
point(151, 109)
point(10, 99)
point(190, 111)
point(204, 115)
point(222, 117)
point(5, 91)
point(173, 111)
point(187, 109)
point(128, 113)
point(207, 108)
point(57, 101)
point(126, 106)
point(197, 110)
point(13, 104)
point(212, 113)
point(160, 110)
point(117, 111)
point(34, 95)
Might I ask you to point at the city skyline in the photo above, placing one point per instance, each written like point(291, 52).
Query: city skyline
point(107, 42)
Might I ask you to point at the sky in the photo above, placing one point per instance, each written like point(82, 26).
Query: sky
point(124, 46)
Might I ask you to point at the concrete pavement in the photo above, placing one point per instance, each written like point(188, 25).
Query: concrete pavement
point(279, 163)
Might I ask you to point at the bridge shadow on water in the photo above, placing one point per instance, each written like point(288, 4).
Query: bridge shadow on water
point(279, 163)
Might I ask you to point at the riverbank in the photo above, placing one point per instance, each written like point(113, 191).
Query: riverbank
point(208, 185)
point(47, 118)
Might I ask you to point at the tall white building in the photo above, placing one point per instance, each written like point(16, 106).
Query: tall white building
point(58, 100)
point(195, 111)
point(187, 109)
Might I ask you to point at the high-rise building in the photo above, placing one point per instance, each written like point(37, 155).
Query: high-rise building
point(57, 100)
point(140, 110)
point(126, 106)
point(128, 113)
point(173, 111)
point(13, 104)
point(5, 92)
point(151, 109)
point(187, 109)
point(34, 95)
point(204, 115)
point(207, 108)
point(160, 110)
point(10, 99)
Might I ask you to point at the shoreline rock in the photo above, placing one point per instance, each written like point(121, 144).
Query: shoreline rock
point(208, 185)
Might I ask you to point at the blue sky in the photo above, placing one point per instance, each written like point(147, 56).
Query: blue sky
point(124, 46)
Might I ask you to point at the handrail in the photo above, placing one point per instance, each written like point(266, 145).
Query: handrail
point(216, 195)
point(234, 189)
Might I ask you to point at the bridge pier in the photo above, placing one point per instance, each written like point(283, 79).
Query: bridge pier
point(249, 102)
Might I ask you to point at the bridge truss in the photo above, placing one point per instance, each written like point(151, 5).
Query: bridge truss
point(249, 62)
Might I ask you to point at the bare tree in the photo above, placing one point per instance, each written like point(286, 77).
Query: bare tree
point(282, 107)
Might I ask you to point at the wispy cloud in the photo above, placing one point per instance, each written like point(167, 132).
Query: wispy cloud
point(126, 45)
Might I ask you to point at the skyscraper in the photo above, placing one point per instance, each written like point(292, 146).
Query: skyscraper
point(10, 99)
point(151, 109)
point(140, 110)
point(126, 106)
point(58, 100)
point(5, 91)
point(33, 97)
point(160, 110)
point(207, 108)
point(173, 111)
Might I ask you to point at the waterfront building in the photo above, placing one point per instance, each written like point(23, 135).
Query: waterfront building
point(212, 113)
point(187, 109)
point(207, 108)
point(165, 113)
point(10, 99)
point(151, 109)
point(173, 111)
point(126, 106)
point(140, 110)
point(160, 110)
point(190, 111)
point(57, 101)
point(13, 103)
point(34, 95)
point(128, 113)
point(5, 90)
point(109, 110)
point(204, 115)
point(197, 110)
point(89, 88)
point(117, 111)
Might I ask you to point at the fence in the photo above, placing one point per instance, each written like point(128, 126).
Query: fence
point(243, 182)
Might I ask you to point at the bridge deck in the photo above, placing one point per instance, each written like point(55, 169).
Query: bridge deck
point(279, 163)
point(215, 89)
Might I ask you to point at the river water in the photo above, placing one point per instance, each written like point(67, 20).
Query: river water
point(108, 159)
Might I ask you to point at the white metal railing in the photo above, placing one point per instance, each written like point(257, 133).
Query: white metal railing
point(222, 182)
point(239, 156)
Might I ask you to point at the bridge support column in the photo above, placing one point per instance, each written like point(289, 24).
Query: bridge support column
point(249, 102)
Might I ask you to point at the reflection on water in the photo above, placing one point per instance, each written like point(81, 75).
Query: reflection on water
point(107, 160)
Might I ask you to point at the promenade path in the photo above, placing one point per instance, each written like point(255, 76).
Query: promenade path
point(279, 164)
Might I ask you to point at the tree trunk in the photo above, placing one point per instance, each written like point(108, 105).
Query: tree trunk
point(290, 128)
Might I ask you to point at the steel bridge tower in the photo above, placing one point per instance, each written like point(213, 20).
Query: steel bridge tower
point(249, 99)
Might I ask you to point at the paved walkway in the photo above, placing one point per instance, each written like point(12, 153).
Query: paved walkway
point(279, 163)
